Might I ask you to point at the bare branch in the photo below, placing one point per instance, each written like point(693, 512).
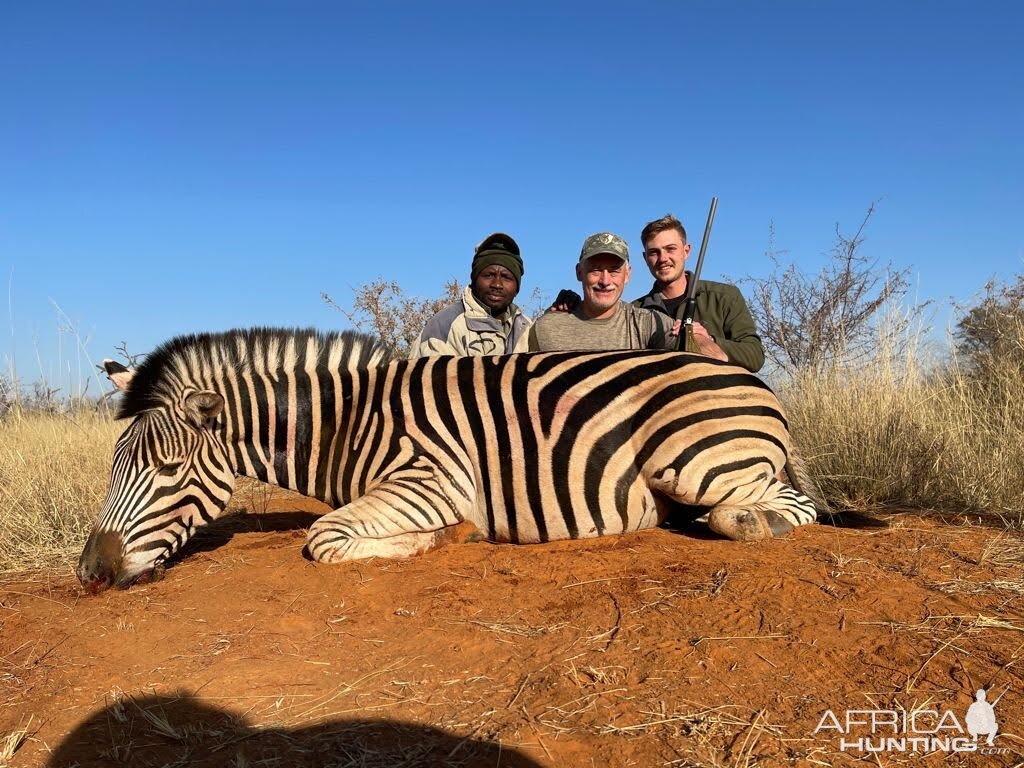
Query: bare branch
point(383, 308)
point(834, 317)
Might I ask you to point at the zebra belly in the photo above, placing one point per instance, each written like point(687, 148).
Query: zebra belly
point(515, 520)
point(631, 486)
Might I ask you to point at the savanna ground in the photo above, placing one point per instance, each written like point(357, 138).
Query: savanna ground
point(667, 647)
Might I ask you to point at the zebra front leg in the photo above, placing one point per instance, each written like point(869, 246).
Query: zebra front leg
point(397, 518)
point(779, 510)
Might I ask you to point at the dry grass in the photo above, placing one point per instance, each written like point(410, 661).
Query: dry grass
point(506, 627)
point(898, 431)
point(1005, 552)
point(1003, 558)
point(54, 471)
point(12, 742)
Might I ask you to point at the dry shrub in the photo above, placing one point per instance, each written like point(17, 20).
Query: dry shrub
point(895, 430)
point(835, 317)
point(878, 421)
point(383, 309)
point(989, 331)
point(54, 471)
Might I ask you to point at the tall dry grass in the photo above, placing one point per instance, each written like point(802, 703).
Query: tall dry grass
point(54, 470)
point(902, 430)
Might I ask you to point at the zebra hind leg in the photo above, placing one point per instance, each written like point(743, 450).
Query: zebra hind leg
point(385, 522)
point(780, 510)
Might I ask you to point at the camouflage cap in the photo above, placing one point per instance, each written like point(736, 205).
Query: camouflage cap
point(604, 242)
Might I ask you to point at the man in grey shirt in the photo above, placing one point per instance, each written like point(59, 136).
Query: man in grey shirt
point(602, 321)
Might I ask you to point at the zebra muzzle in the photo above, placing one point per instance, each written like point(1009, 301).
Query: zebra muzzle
point(101, 561)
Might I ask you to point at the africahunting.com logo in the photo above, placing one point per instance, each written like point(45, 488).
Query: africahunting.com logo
point(918, 730)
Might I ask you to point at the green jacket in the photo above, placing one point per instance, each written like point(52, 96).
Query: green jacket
point(723, 312)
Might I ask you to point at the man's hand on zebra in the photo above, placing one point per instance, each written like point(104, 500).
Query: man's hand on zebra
point(708, 346)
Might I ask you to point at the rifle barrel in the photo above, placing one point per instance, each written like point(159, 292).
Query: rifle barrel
point(691, 288)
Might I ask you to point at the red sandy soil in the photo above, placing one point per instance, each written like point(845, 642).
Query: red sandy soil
point(666, 647)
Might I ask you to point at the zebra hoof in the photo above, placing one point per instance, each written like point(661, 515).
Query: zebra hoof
point(748, 524)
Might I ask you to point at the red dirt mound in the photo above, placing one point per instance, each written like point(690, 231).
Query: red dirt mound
point(656, 648)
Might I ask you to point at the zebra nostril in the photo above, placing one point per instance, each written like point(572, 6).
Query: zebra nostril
point(95, 586)
point(94, 576)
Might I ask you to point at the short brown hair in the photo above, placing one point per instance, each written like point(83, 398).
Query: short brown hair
point(665, 223)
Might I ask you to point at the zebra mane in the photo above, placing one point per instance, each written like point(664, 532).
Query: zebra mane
point(196, 358)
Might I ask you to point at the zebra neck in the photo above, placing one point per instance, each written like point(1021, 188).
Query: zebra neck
point(306, 432)
point(274, 450)
point(286, 394)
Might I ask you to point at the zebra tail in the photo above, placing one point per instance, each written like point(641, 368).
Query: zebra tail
point(800, 478)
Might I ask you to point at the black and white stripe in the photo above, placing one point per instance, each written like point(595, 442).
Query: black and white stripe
point(530, 448)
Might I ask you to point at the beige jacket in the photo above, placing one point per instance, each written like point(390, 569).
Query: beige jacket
point(466, 328)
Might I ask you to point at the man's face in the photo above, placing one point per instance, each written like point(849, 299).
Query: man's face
point(665, 254)
point(603, 276)
point(495, 287)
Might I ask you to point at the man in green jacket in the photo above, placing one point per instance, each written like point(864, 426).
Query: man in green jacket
point(722, 324)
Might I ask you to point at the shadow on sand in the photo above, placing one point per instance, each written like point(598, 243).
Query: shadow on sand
point(682, 519)
point(221, 531)
point(186, 731)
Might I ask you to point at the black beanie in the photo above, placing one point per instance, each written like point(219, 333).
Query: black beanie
point(499, 249)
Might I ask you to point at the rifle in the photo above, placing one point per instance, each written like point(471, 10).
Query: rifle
point(687, 341)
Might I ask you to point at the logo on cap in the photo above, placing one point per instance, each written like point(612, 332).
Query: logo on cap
point(604, 242)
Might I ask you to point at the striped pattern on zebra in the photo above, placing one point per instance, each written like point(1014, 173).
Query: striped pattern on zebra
point(529, 448)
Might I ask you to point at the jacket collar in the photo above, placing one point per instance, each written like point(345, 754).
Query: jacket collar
point(479, 317)
point(655, 298)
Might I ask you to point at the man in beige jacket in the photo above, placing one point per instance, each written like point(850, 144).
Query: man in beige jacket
point(485, 321)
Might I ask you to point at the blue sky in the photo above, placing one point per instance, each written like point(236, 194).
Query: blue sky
point(184, 166)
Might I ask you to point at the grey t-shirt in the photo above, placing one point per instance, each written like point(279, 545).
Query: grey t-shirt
point(629, 328)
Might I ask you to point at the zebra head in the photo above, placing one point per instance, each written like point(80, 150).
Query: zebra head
point(170, 475)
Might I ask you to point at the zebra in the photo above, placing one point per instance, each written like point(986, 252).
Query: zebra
point(529, 448)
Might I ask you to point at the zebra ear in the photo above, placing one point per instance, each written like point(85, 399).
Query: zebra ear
point(119, 375)
point(203, 407)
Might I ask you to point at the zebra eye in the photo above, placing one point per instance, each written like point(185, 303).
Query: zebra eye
point(169, 468)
